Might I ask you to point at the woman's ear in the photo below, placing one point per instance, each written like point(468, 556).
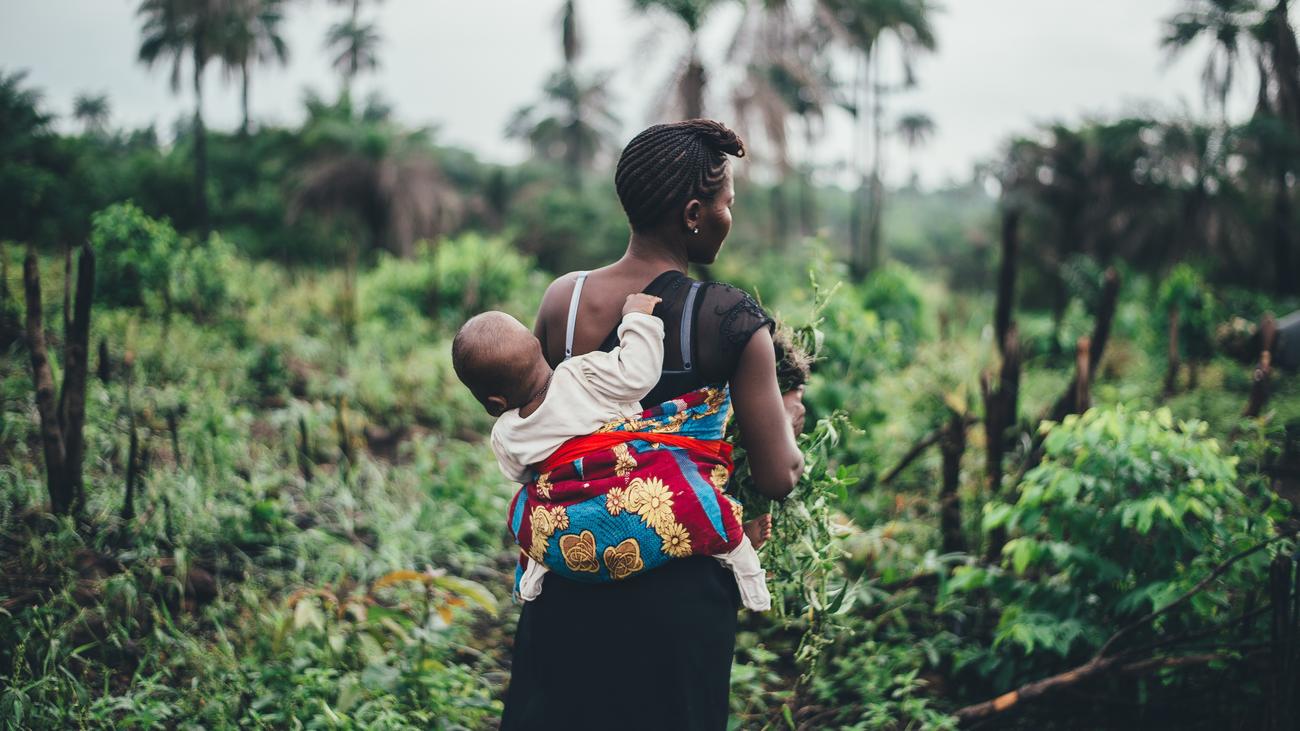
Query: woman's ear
point(496, 405)
point(692, 214)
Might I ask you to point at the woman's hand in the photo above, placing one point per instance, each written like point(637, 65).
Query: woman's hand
point(794, 408)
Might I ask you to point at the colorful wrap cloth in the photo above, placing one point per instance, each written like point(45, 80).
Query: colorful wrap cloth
point(634, 495)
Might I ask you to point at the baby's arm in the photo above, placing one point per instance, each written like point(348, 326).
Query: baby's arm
point(512, 468)
point(629, 371)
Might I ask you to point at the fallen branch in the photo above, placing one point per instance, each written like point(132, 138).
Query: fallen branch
point(1103, 661)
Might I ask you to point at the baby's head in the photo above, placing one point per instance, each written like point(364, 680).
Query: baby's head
point(499, 360)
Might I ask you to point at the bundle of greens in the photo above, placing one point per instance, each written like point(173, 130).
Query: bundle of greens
point(801, 558)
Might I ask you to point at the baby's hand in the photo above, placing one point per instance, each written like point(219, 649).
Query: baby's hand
point(640, 303)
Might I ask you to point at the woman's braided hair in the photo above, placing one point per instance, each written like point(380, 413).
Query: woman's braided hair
point(669, 164)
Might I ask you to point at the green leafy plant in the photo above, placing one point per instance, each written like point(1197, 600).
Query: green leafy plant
point(1127, 511)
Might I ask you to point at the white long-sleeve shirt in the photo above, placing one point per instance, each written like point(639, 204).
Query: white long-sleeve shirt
point(586, 392)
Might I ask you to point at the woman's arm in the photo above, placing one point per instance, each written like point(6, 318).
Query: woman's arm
point(767, 422)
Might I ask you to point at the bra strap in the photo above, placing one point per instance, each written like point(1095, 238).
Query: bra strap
point(688, 315)
point(573, 314)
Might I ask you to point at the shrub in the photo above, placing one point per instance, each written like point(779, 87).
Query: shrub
point(1127, 511)
point(1185, 290)
point(142, 262)
point(449, 282)
point(894, 293)
point(134, 256)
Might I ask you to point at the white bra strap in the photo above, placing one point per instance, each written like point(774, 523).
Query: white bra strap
point(573, 314)
point(688, 314)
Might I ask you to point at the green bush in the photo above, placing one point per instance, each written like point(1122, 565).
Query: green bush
point(134, 256)
point(894, 293)
point(1185, 290)
point(201, 278)
point(451, 281)
point(1127, 511)
point(142, 262)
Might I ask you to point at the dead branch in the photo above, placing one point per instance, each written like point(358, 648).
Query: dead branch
point(72, 400)
point(1103, 661)
point(61, 497)
point(917, 448)
point(1260, 376)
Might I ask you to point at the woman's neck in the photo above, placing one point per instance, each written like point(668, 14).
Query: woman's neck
point(652, 251)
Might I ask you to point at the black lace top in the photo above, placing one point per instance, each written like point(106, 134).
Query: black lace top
point(722, 323)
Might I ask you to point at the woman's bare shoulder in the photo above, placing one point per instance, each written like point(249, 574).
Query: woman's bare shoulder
point(557, 294)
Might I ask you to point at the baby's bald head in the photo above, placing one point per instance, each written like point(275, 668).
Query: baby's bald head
point(496, 356)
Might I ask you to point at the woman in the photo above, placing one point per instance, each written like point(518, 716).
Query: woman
point(654, 651)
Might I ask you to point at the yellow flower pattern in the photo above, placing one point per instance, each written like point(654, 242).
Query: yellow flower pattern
point(545, 521)
point(737, 509)
point(580, 552)
point(719, 476)
point(544, 484)
point(676, 541)
point(652, 500)
point(713, 399)
point(624, 559)
point(614, 500)
point(624, 462)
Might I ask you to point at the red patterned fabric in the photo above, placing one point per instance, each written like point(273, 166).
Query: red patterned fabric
point(636, 494)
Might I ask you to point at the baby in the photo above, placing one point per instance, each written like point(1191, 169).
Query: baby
point(540, 408)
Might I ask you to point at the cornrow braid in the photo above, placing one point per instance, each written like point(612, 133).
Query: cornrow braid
point(669, 164)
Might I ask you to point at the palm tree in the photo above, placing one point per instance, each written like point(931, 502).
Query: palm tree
point(1226, 24)
point(690, 79)
point(915, 129)
point(172, 30)
point(92, 111)
point(355, 45)
point(573, 123)
point(252, 35)
point(861, 25)
point(785, 76)
point(1230, 24)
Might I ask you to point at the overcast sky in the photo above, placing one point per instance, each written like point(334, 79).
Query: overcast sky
point(1002, 67)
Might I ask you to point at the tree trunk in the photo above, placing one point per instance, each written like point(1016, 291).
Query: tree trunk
point(61, 495)
point(693, 84)
point(1288, 281)
point(1171, 375)
point(1260, 376)
point(72, 402)
point(1000, 409)
point(246, 81)
point(780, 217)
point(952, 444)
point(1006, 298)
point(858, 221)
point(1073, 401)
point(875, 253)
point(1083, 374)
point(132, 473)
point(807, 198)
point(200, 143)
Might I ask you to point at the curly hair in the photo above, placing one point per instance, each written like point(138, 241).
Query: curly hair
point(667, 165)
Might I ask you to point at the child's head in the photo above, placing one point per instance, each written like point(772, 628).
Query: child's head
point(499, 360)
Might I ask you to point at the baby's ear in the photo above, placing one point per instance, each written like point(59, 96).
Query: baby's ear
point(496, 405)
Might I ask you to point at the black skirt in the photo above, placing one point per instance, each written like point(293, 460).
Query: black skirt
point(650, 652)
